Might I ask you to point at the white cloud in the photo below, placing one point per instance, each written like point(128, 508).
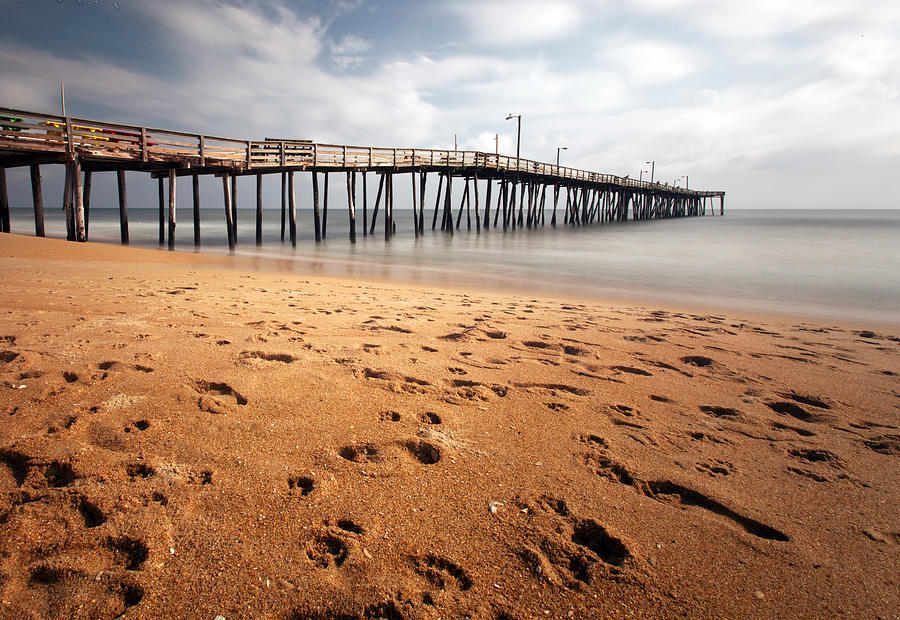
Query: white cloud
point(511, 22)
point(645, 62)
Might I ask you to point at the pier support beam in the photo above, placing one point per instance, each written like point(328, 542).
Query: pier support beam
point(477, 206)
point(437, 201)
point(292, 209)
point(162, 212)
point(171, 208)
point(412, 176)
point(87, 202)
point(317, 216)
point(283, 201)
point(487, 205)
point(37, 197)
point(123, 207)
point(325, 209)
point(259, 203)
point(226, 190)
point(234, 207)
point(351, 204)
point(68, 207)
point(195, 190)
point(365, 205)
point(377, 202)
point(424, 176)
point(4, 202)
point(79, 201)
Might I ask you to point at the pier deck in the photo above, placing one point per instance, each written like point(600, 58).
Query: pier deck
point(86, 146)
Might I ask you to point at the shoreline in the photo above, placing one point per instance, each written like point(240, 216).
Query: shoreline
point(185, 436)
point(108, 251)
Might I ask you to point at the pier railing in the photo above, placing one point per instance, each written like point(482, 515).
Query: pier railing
point(30, 131)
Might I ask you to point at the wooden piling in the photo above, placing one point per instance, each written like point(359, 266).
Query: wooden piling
point(377, 202)
point(351, 204)
point(448, 207)
point(504, 186)
point(437, 200)
point(162, 211)
point(317, 216)
point(37, 198)
point(468, 206)
point(259, 205)
point(292, 209)
point(555, 203)
point(195, 191)
point(487, 205)
point(543, 197)
point(477, 207)
point(123, 207)
point(234, 207)
point(422, 203)
point(388, 191)
point(412, 176)
point(4, 203)
point(87, 202)
point(226, 190)
point(365, 205)
point(171, 208)
point(463, 201)
point(325, 208)
point(284, 201)
point(500, 198)
point(79, 201)
point(68, 206)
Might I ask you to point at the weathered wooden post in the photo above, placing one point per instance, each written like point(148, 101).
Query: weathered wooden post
point(351, 204)
point(292, 209)
point(234, 206)
point(377, 203)
point(388, 190)
point(37, 197)
point(68, 206)
point(448, 207)
point(4, 203)
point(487, 204)
point(412, 176)
point(283, 199)
point(259, 205)
point(123, 207)
point(437, 201)
point(87, 202)
point(226, 190)
point(317, 217)
point(462, 202)
point(325, 208)
point(365, 204)
point(195, 187)
point(162, 211)
point(422, 203)
point(172, 208)
point(79, 201)
point(477, 206)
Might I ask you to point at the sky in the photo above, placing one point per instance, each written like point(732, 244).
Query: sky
point(780, 104)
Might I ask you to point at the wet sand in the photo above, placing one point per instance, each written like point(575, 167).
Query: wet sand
point(191, 436)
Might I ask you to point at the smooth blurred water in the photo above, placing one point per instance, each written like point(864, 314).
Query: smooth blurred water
point(841, 264)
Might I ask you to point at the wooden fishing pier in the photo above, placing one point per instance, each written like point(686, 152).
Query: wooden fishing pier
point(517, 193)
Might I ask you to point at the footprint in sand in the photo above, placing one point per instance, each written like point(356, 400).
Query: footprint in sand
point(217, 397)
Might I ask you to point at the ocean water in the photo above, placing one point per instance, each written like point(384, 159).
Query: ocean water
point(822, 263)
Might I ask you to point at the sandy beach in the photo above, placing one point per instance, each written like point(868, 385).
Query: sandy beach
point(190, 436)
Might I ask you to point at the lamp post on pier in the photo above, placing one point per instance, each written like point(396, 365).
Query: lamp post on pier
point(558, 149)
point(518, 117)
point(652, 169)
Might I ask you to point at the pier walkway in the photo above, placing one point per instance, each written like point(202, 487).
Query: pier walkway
point(524, 190)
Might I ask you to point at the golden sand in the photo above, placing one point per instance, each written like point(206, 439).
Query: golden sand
point(187, 436)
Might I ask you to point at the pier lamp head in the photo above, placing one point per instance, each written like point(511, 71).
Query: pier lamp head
point(509, 117)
